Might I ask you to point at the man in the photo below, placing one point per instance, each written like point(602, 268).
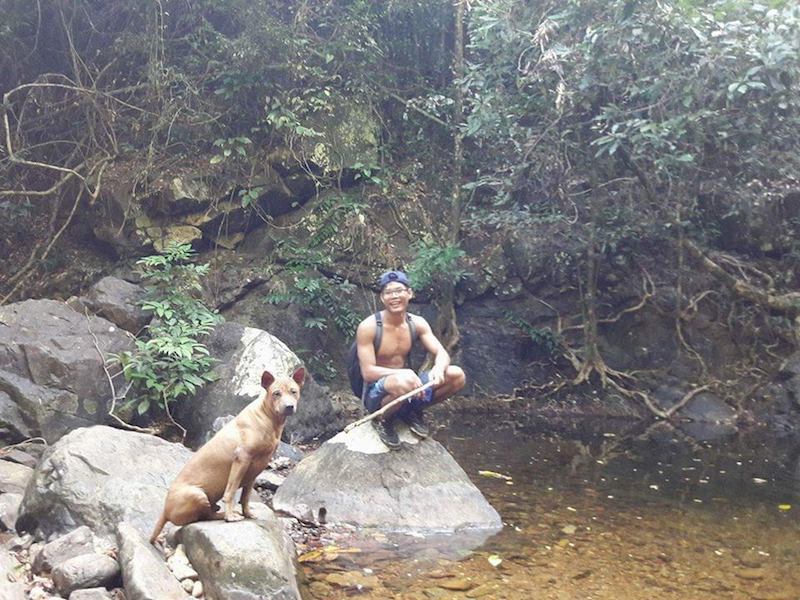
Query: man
point(385, 369)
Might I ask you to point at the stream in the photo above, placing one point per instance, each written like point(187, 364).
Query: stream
point(594, 510)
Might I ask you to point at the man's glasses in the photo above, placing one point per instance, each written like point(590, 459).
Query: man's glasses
point(394, 293)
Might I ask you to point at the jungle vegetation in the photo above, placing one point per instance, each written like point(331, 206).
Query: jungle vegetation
point(612, 121)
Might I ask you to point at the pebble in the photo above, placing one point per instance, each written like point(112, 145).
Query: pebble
point(37, 593)
point(197, 589)
point(353, 579)
point(180, 566)
point(460, 584)
point(187, 585)
point(487, 589)
point(750, 574)
point(751, 561)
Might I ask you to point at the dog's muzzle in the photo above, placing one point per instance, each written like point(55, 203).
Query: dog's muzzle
point(289, 409)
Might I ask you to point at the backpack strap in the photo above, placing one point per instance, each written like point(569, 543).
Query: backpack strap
point(378, 332)
point(412, 329)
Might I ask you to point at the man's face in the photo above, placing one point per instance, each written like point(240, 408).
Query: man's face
point(395, 297)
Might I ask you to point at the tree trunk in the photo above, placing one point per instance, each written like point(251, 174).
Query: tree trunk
point(592, 359)
point(446, 324)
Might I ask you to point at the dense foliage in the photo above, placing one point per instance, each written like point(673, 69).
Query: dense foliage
point(171, 361)
point(597, 123)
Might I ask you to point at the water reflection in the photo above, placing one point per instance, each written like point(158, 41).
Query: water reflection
point(599, 510)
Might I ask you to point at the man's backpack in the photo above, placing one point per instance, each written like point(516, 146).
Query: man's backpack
point(354, 367)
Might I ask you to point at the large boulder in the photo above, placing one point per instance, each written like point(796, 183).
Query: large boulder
point(354, 479)
point(243, 354)
point(51, 369)
point(247, 560)
point(99, 477)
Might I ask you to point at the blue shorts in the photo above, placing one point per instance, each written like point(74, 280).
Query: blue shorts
point(376, 392)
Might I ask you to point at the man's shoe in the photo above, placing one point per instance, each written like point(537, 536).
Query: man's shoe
point(416, 423)
point(387, 432)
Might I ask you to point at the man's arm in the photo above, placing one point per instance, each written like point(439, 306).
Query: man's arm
point(441, 359)
point(365, 340)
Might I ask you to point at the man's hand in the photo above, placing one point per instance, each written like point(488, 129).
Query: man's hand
point(436, 375)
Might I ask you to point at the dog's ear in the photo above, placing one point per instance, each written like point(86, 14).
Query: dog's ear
point(299, 376)
point(266, 379)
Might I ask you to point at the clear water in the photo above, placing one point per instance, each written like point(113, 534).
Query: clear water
point(596, 510)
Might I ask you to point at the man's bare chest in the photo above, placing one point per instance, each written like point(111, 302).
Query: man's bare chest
point(395, 343)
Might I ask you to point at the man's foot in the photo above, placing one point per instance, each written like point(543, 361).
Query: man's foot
point(416, 423)
point(387, 432)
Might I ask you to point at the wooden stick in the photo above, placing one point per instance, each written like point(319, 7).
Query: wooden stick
point(394, 402)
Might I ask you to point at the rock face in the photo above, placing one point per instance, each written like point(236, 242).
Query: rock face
point(243, 354)
point(51, 374)
point(98, 477)
point(195, 206)
point(353, 478)
point(117, 301)
point(247, 560)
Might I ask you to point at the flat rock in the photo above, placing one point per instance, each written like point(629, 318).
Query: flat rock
point(84, 571)
point(98, 593)
point(20, 457)
point(354, 479)
point(76, 542)
point(14, 477)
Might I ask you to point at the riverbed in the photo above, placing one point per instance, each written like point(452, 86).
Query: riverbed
point(594, 510)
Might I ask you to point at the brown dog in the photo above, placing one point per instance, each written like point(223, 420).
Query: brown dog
point(232, 458)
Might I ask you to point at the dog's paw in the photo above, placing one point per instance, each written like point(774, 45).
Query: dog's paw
point(232, 517)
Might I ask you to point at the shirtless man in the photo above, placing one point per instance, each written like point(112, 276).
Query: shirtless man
point(385, 369)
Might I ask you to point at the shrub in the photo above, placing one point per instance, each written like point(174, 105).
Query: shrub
point(171, 362)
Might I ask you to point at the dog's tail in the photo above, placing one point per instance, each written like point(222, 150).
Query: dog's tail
point(162, 520)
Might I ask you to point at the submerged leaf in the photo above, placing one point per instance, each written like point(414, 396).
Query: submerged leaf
point(495, 475)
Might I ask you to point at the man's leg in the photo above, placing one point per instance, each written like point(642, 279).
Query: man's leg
point(454, 380)
point(397, 384)
point(381, 393)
